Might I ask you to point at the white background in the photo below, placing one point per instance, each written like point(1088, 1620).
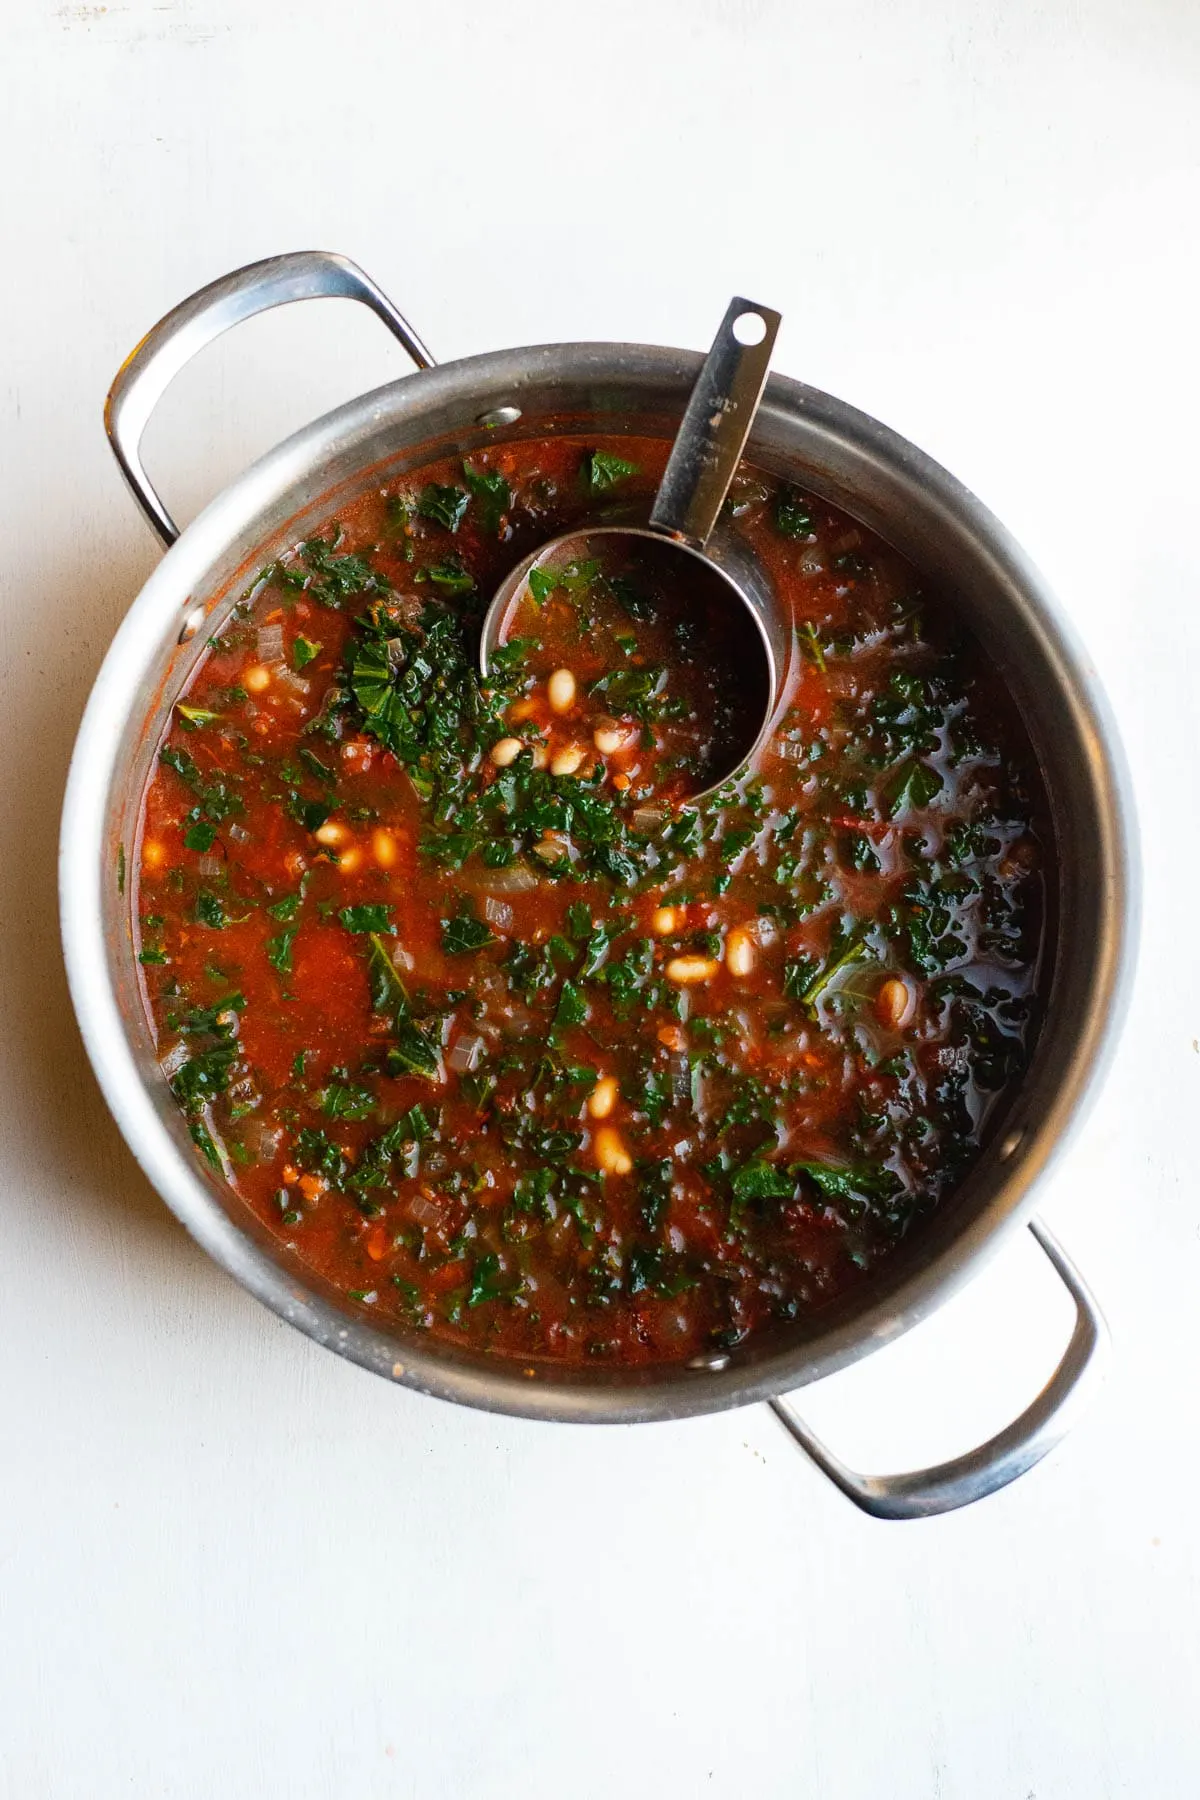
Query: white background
point(233, 1566)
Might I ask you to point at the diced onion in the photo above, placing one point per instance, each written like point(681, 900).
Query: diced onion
point(553, 848)
point(239, 834)
point(465, 1055)
point(647, 819)
point(498, 912)
point(424, 1211)
point(262, 1140)
point(811, 562)
point(404, 609)
point(793, 750)
point(208, 866)
point(764, 931)
point(745, 1023)
point(173, 1061)
point(270, 643)
point(295, 684)
point(680, 1071)
point(517, 878)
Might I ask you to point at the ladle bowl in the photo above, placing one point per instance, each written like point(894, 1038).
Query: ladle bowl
point(703, 461)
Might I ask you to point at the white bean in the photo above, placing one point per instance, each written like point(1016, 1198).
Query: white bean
point(740, 953)
point(568, 760)
point(611, 1154)
point(610, 737)
point(385, 849)
point(560, 691)
point(893, 1003)
point(603, 1097)
point(686, 971)
point(506, 751)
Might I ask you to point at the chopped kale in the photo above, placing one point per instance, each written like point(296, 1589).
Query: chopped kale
point(465, 933)
point(388, 992)
point(279, 949)
point(491, 493)
point(342, 1100)
point(603, 471)
point(444, 505)
point(370, 920)
point(333, 578)
point(793, 513)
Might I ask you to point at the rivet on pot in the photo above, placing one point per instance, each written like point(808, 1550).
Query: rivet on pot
point(1012, 1144)
point(712, 1362)
point(499, 415)
point(191, 624)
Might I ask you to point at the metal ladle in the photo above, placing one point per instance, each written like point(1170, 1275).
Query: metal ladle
point(703, 460)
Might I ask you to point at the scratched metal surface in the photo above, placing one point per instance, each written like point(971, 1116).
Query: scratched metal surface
point(232, 1565)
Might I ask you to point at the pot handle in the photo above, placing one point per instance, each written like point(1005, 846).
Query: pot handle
point(925, 1492)
point(146, 373)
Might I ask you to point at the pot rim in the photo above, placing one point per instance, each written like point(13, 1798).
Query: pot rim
point(550, 1391)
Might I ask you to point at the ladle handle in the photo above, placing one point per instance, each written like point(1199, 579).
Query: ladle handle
point(716, 424)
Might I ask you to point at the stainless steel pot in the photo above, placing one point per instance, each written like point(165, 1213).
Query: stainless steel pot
point(826, 446)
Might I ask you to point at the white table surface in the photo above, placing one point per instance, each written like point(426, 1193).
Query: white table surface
point(232, 1565)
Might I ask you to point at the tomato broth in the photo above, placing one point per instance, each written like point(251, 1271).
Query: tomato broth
point(491, 1026)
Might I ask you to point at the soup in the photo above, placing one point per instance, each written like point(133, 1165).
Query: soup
point(494, 1029)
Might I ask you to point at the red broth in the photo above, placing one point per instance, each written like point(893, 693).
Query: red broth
point(521, 1049)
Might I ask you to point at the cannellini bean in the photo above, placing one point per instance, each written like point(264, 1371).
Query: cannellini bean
point(332, 833)
point(893, 1003)
point(740, 952)
point(568, 760)
point(685, 971)
point(154, 854)
point(666, 919)
point(385, 849)
point(603, 1097)
point(611, 1153)
point(560, 691)
point(256, 679)
point(540, 756)
point(610, 737)
point(350, 859)
point(506, 751)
